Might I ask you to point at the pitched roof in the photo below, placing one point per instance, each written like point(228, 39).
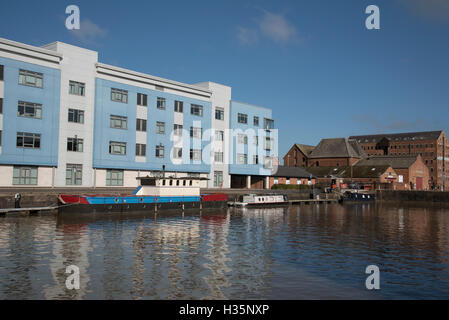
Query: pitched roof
point(409, 136)
point(306, 149)
point(291, 172)
point(345, 172)
point(396, 162)
point(338, 148)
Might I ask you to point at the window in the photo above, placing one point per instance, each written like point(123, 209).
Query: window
point(24, 176)
point(76, 116)
point(1, 105)
point(1, 72)
point(268, 143)
point(177, 130)
point(196, 132)
point(141, 125)
point(267, 163)
point(218, 179)
point(178, 106)
point(195, 154)
point(30, 78)
point(256, 121)
point(219, 113)
point(218, 157)
point(118, 148)
point(119, 122)
point(142, 99)
point(119, 95)
point(256, 159)
point(268, 124)
point(256, 140)
point(76, 88)
point(219, 135)
point(242, 118)
point(0, 138)
point(242, 139)
point(160, 127)
point(177, 153)
point(196, 110)
point(160, 151)
point(29, 110)
point(161, 103)
point(141, 149)
point(74, 175)
point(28, 140)
point(75, 144)
point(242, 158)
point(114, 177)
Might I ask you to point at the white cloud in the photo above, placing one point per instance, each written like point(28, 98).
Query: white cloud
point(272, 26)
point(89, 32)
point(277, 28)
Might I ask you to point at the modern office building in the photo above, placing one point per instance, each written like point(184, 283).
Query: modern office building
point(68, 120)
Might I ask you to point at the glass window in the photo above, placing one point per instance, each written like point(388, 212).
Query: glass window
point(268, 143)
point(161, 103)
point(1, 105)
point(196, 110)
point(195, 154)
point(24, 175)
point(160, 150)
point(218, 179)
point(219, 135)
point(178, 106)
point(75, 144)
point(114, 177)
point(30, 78)
point(74, 174)
point(218, 157)
point(256, 140)
point(268, 124)
point(177, 130)
point(196, 132)
point(1, 72)
point(160, 127)
point(141, 149)
point(219, 113)
point(256, 121)
point(268, 163)
point(118, 148)
point(76, 88)
point(76, 116)
point(28, 140)
point(119, 122)
point(242, 139)
point(141, 125)
point(256, 159)
point(29, 110)
point(119, 95)
point(177, 153)
point(142, 99)
point(242, 158)
point(242, 118)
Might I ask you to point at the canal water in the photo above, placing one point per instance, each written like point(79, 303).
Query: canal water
point(300, 252)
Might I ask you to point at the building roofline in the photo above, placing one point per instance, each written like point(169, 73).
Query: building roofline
point(30, 47)
point(154, 78)
point(251, 105)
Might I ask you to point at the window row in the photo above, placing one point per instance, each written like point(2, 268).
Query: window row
point(242, 158)
point(243, 118)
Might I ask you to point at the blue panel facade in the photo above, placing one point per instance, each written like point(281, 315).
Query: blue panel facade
point(251, 131)
point(103, 133)
point(47, 126)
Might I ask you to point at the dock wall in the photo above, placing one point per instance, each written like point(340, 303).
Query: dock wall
point(401, 195)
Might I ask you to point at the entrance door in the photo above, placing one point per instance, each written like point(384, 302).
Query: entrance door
point(418, 183)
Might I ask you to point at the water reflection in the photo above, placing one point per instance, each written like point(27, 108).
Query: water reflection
point(311, 252)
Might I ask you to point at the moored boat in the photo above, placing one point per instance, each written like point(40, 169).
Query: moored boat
point(153, 194)
point(260, 200)
point(357, 196)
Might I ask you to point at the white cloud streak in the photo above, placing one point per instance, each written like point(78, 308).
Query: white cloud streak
point(89, 32)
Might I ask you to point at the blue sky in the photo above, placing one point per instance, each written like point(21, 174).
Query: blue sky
point(313, 62)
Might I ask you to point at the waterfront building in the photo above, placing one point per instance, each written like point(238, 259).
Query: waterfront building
point(413, 173)
point(67, 119)
point(291, 176)
point(298, 155)
point(432, 146)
